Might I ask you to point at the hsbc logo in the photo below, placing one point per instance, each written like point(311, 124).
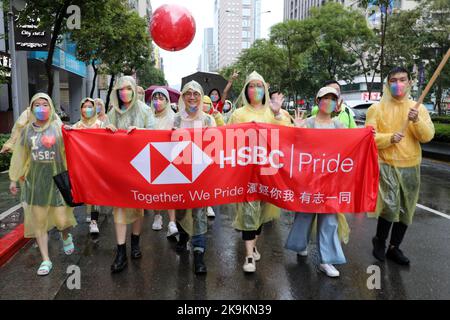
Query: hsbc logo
point(171, 162)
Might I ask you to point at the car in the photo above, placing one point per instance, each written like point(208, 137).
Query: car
point(430, 108)
point(359, 109)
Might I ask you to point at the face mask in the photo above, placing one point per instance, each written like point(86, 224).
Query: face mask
point(256, 94)
point(327, 106)
point(206, 107)
point(193, 109)
point(226, 108)
point(398, 89)
point(41, 113)
point(126, 95)
point(89, 112)
point(214, 98)
point(158, 105)
point(98, 109)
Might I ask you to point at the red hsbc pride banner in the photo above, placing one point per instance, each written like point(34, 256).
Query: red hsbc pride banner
point(307, 170)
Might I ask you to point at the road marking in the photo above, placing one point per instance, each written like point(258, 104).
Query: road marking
point(433, 211)
point(9, 211)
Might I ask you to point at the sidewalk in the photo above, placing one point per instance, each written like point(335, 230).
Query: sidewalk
point(436, 150)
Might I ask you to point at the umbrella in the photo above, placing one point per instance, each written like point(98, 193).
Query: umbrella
point(173, 94)
point(207, 80)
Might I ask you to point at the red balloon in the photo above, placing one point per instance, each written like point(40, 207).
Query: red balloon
point(172, 27)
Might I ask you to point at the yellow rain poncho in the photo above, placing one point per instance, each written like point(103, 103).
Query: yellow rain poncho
point(216, 115)
point(400, 162)
point(20, 123)
point(251, 215)
point(194, 222)
point(139, 115)
point(38, 156)
point(164, 118)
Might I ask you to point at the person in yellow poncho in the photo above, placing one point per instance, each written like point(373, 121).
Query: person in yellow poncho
point(89, 120)
point(250, 216)
point(399, 158)
point(38, 156)
point(128, 113)
point(193, 222)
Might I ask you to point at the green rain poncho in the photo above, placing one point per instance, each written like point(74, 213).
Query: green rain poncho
point(38, 156)
point(139, 115)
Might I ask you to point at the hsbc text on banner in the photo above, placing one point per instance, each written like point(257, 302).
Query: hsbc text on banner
point(307, 170)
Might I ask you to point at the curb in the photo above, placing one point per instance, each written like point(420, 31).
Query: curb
point(11, 243)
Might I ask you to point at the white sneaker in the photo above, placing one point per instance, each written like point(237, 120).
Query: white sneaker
point(157, 222)
point(210, 212)
point(329, 270)
point(303, 253)
point(88, 218)
point(93, 227)
point(172, 229)
point(256, 254)
point(249, 265)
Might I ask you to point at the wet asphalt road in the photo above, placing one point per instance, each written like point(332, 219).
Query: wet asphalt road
point(280, 274)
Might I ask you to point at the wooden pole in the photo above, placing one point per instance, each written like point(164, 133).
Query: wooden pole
point(428, 87)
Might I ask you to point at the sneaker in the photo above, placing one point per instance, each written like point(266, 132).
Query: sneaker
point(396, 255)
point(172, 229)
point(210, 212)
point(157, 222)
point(249, 265)
point(329, 270)
point(88, 218)
point(93, 227)
point(379, 249)
point(256, 254)
point(303, 253)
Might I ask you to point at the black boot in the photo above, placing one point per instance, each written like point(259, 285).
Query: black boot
point(396, 255)
point(135, 250)
point(379, 248)
point(183, 240)
point(199, 264)
point(120, 262)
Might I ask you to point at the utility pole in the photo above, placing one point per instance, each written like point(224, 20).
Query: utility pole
point(12, 52)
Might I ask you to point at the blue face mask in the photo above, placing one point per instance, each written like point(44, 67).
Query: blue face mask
point(89, 112)
point(99, 109)
point(41, 113)
point(193, 109)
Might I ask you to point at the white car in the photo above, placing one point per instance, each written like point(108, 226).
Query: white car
point(359, 109)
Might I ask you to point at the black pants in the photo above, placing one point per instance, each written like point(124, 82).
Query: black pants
point(398, 231)
point(251, 235)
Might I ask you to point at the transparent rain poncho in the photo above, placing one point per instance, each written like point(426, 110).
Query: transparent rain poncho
point(399, 163)
point(139, 115)
point(164, 118)
point(38, 156)
point(193, 221)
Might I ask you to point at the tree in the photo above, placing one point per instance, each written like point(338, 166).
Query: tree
point(52, 15)
point(148, 75)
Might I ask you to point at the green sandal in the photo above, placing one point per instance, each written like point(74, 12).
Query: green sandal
point(68, 245)
point(44, 268)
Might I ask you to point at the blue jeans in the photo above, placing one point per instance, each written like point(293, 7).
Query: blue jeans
point(330, 249)
point(199, 242)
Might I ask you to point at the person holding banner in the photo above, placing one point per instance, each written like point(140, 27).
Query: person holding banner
point(89, 120)
point(164, 115)
point(38, 156)
point(193, 222)
point(399, 156)
point(250, 216)
point(128, 112)
point(329, 228)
